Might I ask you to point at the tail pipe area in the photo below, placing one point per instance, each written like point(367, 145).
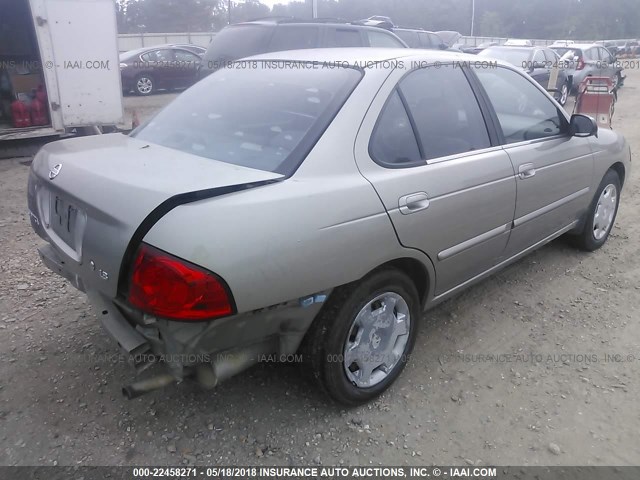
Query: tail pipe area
point(225, 365)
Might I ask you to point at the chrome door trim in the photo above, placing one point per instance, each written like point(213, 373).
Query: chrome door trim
point(502, 264)
point(547, 208)
point(472, 242)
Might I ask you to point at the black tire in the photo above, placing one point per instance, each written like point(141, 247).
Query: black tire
point(144, 85)
point(325, 342)
point(563, 94)
point(617, 81)
point(587, 239)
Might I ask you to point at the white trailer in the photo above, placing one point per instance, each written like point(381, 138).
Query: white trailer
point(71, 47)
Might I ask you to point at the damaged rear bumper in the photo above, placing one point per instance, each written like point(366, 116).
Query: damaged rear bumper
point(208, 352)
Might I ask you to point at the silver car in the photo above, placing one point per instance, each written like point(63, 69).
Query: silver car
point(311, 205)
point(580, 61)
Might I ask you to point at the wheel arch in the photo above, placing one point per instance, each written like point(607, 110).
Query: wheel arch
point(417, 271)
point(618, 167)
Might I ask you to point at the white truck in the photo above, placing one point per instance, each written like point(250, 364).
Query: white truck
point(65, 53)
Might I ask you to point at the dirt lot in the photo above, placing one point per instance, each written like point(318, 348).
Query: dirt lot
point(557, 400)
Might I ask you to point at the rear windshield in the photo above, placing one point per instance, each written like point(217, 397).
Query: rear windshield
point(235, 42)
point(561, 51)
point(263, 115)
point(571, 53)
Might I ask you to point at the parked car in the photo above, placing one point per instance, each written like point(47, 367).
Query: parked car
point(562, 43)
point(479, 48)
point(589, 60)
point(539, 63)
point(146, 70)
point(413, 37)
point(279, 34)
point(451, 39)
point(269, 211)
point(517, 42)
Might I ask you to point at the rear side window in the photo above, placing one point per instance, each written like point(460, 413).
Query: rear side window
point(383, 40)
point(265, 118)
point(524, 112)
point(294, 37)
point(345, 37)
point(446, 114)
point(393, 143)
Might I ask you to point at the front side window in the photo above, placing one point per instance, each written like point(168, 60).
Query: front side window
point(426, 40)
point(266, 118)
point(383, 40)
point(186, 57)
point(523, 111)
point(445, 111)
point(158, 56)
point(409, 37)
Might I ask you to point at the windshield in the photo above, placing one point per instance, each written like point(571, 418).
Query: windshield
point(266, 116)
point(235, 42)
point(518, 57)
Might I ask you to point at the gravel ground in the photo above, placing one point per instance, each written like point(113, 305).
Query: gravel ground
point(557, 400)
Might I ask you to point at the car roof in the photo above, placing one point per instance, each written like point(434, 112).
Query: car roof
point(582, 46)
point(357, 56)
point(515, 47)
point(275, 21)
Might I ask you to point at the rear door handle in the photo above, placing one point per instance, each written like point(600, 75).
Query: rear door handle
point(526, 171)
point(413, 203)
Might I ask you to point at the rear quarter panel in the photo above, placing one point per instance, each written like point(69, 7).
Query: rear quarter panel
point(323, 227)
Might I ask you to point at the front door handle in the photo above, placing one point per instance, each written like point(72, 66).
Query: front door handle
point(413, 203)
point(526, 171)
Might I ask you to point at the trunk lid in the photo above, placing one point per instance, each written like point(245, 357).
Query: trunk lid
point(90, 196)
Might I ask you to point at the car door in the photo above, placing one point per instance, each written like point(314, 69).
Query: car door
point(591, 60)
point(540, 69)
point(160, 64)
point(607, 66)
point(449, 191)
point(554, 170)
point(186, 64)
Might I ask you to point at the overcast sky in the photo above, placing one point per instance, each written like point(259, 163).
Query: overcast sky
point(271, 3)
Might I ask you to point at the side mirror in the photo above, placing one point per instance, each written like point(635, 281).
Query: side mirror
point(582, 126)
point(535, 65)
point(443, 46)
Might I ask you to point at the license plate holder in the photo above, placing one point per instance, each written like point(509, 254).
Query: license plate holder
point(64, 219)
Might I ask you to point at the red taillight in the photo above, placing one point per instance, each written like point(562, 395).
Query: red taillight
point(169, 287)
point(580, 64)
